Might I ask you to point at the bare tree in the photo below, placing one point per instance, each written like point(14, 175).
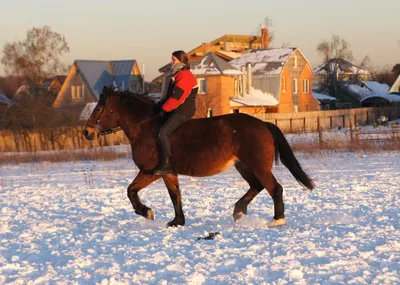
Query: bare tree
point(36, 57)
point(337, 47)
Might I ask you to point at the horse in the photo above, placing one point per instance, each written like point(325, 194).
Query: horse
point(200, 147)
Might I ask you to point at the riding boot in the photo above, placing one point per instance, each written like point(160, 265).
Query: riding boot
point(164, 167)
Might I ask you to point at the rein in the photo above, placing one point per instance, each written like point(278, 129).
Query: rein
point(113, 131)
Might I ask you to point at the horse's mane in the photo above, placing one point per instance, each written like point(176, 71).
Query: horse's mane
point(130, 99)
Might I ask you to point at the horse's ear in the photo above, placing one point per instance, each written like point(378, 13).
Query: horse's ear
point(105, 89)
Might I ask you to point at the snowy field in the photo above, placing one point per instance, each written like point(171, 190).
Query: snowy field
point(71, 223)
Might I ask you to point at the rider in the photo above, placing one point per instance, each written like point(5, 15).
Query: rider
point(179, 104)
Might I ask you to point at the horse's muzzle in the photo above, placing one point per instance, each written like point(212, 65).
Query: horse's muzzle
point(89, 136)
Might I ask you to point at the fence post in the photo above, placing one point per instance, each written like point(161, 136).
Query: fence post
point(304, 123)
point(367, 118)
point(318, 123)
point(355, 119)
point(276, 122)
point(290, 120)
point(330, 121)
point(344, 121)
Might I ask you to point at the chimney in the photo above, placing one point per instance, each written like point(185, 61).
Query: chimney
point(244, 81)
point(249, 78)
point(265, 38)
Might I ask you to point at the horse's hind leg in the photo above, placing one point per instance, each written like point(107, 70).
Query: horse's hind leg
point(171, 181)
point(255, 188)
point(275, 190)
point(141, 181)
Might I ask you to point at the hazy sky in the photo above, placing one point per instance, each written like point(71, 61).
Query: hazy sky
point(149, 30)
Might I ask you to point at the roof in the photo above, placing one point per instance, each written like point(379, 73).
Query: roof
point(322, 97)
point(385, 97)
point(264, 61)
point(4, 99)
point(87, 111)
point(104, 73)
point(343, 66)
point(211, 64)
point(395, 86)
point(368, 89)
point(257, 98)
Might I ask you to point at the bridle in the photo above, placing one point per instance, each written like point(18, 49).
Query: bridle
point(117, 129)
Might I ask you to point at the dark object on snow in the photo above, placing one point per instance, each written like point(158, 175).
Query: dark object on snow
point(210, 236)
point(201, 147)
point(383, 121)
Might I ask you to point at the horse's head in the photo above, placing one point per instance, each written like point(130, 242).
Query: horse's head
point(102, 120)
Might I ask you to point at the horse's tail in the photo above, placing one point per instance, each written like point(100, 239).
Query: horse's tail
point(285, 152)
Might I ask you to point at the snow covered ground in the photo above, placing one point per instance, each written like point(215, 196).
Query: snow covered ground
point(71, 223)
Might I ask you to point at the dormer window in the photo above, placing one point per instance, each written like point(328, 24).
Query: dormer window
point(77, 92)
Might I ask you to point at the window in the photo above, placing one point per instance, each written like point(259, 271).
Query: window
point(202, 82)
point(283, 84)
point(77, 92)
point(295, 86)
point(306, 86)
point(295, 62)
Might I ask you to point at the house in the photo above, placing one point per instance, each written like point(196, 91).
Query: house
point(342, 69)
point(56, 83)
point(87, 78)
point(226, 47)
point(283, 73)
point(217, 81)
point(5, 102)
point(396, 85)
point(325, 102)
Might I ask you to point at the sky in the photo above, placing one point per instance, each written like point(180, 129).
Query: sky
point(149, 31)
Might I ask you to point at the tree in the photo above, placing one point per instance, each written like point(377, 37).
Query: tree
point(337, 47)
point(396, 69)
point(36, 57)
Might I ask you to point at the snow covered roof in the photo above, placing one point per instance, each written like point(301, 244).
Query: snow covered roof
point(264, 61)
point(211, 64)
point(87, 111)
point(322, 97)
point(4, 99)
point(368, 89)
point(257, 98)
point(103, 73)
point(392, 98)
point(343, 66)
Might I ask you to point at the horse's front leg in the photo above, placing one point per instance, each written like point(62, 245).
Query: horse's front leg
point(171, 181)
point(141, 181)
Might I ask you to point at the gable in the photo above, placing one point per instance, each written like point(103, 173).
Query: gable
point(396, 85)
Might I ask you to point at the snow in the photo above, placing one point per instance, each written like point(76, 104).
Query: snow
point(269, 61)
point(211, 64)
point(320, 96)
point(87, 111)
point(257, 98)
point(72, 223)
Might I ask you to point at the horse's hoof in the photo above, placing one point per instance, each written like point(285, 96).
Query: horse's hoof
point(277, 223)
point(175, 223)
point(150, 214)
point(238, 216)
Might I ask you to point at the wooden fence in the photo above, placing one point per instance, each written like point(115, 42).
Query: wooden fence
point(358, 135)
point(344, 118)
point(67, 138)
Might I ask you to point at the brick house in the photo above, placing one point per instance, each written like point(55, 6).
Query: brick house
point(226, 47)
point(283, 73)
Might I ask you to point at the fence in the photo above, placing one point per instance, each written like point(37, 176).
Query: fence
point(359, 135)
point(67, 138)
point(344, 118)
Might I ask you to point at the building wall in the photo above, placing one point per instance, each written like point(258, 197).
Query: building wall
point(219, 89)
point(296, 67)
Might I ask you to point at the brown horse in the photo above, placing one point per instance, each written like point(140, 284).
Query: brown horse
point(200, 147)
